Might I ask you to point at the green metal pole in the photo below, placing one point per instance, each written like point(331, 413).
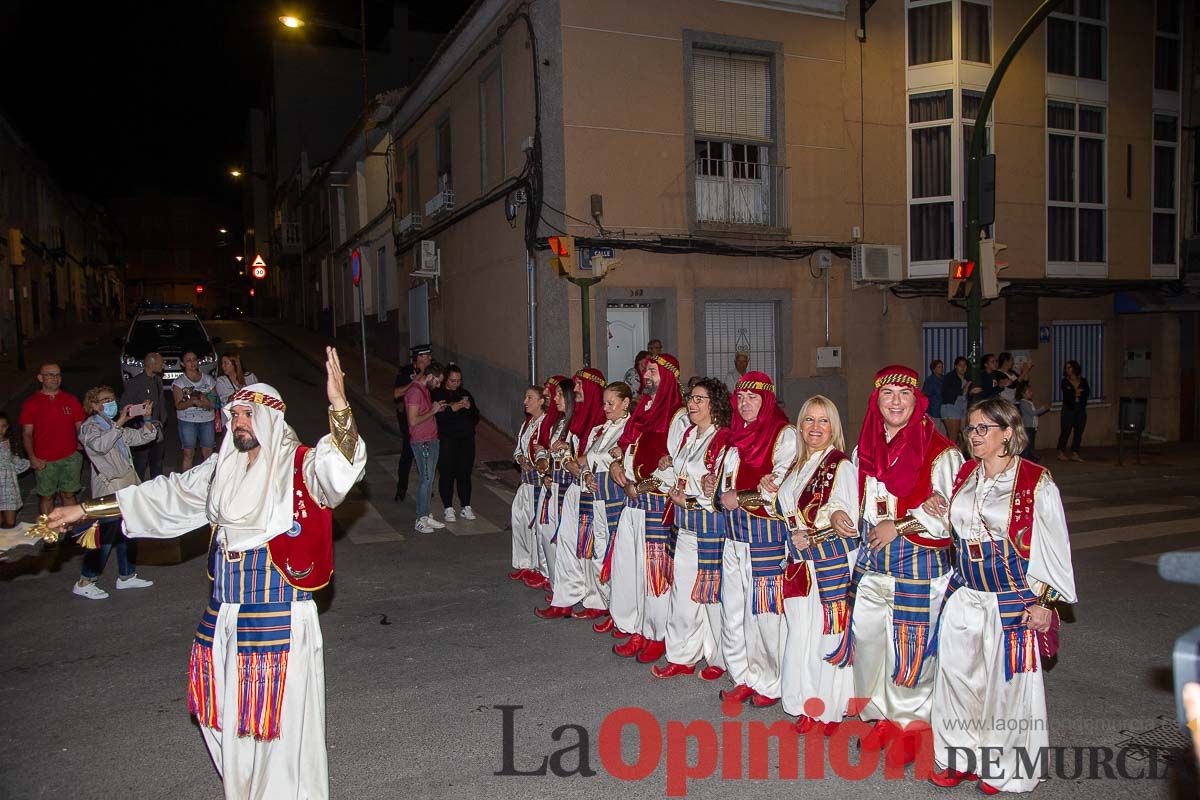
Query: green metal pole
point(975, 189)
point(584, 286)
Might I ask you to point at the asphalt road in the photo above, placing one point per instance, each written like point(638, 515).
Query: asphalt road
point(424, 639)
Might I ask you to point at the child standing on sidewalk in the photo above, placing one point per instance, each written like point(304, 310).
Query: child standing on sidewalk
point(11, 465)
point(1029, 417)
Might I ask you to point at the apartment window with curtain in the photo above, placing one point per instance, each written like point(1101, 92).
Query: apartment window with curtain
point(1075, 192)
point(1166, 159)
point(975, 32)
point(443, 156)
point(1167, 45)
point(491, 127)
point(930, 30)
point(733, 121)
point(1077, 39)
point(931, 193)
point(415, 204)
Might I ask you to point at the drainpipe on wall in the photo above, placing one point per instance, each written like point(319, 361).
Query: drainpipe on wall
point(532, 287)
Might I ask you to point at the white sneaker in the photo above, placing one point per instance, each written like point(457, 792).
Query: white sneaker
point(449, 515)
point(467, 513)
point(133, 582)
point(423, 525)
point(89, 590)
point(433, 523)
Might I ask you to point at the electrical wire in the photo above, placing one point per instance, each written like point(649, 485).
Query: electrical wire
point(593, 224)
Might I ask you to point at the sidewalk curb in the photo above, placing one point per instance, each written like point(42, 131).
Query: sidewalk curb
point(387, 421)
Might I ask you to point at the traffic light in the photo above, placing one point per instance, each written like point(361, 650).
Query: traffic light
point(989, 284)
point(960, 279)
point(199, 289)
point(16, 250)
point(562, 254)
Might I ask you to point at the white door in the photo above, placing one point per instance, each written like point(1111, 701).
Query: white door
point(628, 331)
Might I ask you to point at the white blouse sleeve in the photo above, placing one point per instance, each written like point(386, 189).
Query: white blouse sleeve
point(783, 457)
point(328, 475)
point(945, 469)
point(679, 426)
point(1050, 550)
point(844, 496)
point(169, 505)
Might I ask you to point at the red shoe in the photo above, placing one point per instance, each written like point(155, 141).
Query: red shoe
point(632, 647)
point(762, 701)
point(518, 575)
point(589, 613)
point(550, 599)
point(671, 670)
point(987, 789)
point(902, 750)
point(805, 724)
point(949, 778)
point(532, 579)
point(618, 633)
point(828, 728)
point(738, 694)
point(553, 612)
point(603, 626)
point(711, 673)
point(881, 733)
point(540, 582)
point(653, 651)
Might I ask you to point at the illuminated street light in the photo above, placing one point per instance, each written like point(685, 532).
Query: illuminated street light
point(291, 22)
point(235, 172)
point(222, 230)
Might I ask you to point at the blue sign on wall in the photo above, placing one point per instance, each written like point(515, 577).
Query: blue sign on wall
point(1044, 334)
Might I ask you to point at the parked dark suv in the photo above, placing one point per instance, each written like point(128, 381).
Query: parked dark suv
point(171, 330)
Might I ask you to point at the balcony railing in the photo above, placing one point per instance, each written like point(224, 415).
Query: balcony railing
point(730, 192)
point(289, 236)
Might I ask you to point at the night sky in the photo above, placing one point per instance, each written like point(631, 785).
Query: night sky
point(118, 96)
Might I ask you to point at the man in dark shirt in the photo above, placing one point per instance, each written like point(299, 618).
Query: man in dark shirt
point(148, 387)
point(422, 356)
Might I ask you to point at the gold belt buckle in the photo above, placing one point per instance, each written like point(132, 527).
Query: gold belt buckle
point(975, 552)
point(821, 536)
point(232, 558)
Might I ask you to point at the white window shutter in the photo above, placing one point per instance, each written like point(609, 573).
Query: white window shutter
point(731, 95)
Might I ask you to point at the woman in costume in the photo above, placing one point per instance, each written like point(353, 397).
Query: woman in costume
point(818, 501)
point(553, 476)
point(1013, 563)
point(534, 435)
point(694, 620)
point(573, 551)
point(761, 443)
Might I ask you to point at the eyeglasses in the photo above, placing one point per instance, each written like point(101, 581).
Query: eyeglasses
point(50, 374)
point(982, 428)
point(696, 398)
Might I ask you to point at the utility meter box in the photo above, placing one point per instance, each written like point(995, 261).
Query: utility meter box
point(829, 357)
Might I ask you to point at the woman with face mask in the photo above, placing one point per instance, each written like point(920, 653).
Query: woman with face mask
point(106, 443)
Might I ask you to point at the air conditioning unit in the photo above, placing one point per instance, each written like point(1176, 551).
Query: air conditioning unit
point(440, 203)
point(427, 260)
point(409, 223)
point(876, 263)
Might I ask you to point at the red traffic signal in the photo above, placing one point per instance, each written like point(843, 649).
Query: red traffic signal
point(558, 247)
point(963, 270)
point(199, 288)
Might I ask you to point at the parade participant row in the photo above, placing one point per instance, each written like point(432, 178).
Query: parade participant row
point(899, 584)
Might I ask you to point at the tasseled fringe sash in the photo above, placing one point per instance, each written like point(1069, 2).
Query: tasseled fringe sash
point(202, 685)
point(263, 642)
point(843, 655)
point(832, 570)
point(910, 629)
point(660, 555)
point(766, 567)
point(709, 528)
point(613, 497)
point(585, 542)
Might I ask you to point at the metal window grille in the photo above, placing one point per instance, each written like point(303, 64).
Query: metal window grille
point(944, 340)
point(730, 328)
point(1082, 342)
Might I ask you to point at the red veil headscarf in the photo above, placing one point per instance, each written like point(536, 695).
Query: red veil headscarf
point(654, 414)
point(898, 464)
point(551, 388)
point(590, 412)
point(755, 440)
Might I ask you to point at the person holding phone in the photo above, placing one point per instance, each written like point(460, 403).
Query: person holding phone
point(456, 443)
point(107, 444)
point(195, 410)
point(141, 389)
point(421, 410)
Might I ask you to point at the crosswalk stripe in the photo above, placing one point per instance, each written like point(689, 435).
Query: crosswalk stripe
point(1069, 499)
point(504, 494)
point(1101, 538)
point(1152, 559)
point(1111, 512)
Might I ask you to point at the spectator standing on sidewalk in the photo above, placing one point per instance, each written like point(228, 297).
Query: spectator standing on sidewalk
point(741, 365)
point(50, 421)
point(633, 375)
point(107, 444)
point(233, 376)
point(195, 399)
point(11, 464)
point(1030, 412)
point(456, 442)
point(421, 357)
point(955, 388)
point(935, 382)
point(1073, 417)
point(148, 387)
point(423, 430)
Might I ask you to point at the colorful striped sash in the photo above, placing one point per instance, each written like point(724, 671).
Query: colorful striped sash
point(613, 497)
point(1000, 571)
point(263, 641)
point(831, 563)
point(710, 529)
point(660, 543)
point(913, 569)
point(529, 476)
point(767, 538)
point(253, 578)
point(585, 542)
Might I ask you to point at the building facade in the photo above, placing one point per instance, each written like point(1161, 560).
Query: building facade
point(742, 157)
point(71, 272)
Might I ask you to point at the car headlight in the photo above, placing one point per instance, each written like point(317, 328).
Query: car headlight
point(208, 360)
point(130, 361)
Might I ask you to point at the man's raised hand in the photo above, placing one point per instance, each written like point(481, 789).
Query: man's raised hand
point(335, 383)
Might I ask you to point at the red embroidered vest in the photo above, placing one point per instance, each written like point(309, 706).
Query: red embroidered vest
point(304, 554)
point(1020, 514)
point(819, 487)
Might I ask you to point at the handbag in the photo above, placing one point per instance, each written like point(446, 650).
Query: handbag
point(797, 582)
point(1048, 641)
